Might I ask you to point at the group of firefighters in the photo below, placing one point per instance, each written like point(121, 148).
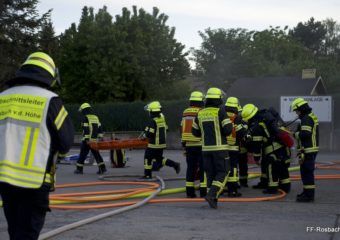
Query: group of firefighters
point(218, 140)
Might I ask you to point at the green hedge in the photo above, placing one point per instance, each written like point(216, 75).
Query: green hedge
point(132, 117)
point(129, 116)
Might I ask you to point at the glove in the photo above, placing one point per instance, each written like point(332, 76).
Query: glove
point(301, 156)
point(142, 136)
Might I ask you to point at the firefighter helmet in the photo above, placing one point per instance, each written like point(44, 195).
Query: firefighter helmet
point(196, 96)
point(232, 102)
point(249, 111)
point(83, 106)
point(214, 93)
point(38, 67)
point(298, 102)
point(154, 106)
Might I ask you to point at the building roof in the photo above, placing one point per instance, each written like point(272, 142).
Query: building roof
point(276, 86)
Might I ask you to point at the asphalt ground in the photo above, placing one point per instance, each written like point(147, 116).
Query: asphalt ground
point(279, 219)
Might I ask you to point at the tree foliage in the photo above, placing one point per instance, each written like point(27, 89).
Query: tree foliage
point(126, 60)
point(19, 26)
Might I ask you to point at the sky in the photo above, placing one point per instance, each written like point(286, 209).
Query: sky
point(191, 16)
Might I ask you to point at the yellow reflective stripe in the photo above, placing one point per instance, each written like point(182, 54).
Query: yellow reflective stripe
point(238, 127)
point(285, 181)
point(271, 148)
point(21, 168)
point(217, 184)
point(309, 186)
point(156, 146)
point(34, 146)
point(215, 148)
point(60, 118)
point(146, 166)
point(19, 182)
point(194, 125)
point(257, 138)
point(225, 122)
point(164, 161)
point(152, 130)
point(189, 184)
point(193, 144)
point(306, 128)
point(233, 148)
point(86, 124)
point(311, 150)
point(271, 183)
point(25, 146)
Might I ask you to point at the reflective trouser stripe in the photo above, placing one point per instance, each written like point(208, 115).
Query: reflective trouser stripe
point(309, 186)
point(284, 181)
point(164, 161)
point(189, 184)
point(146, 165)
point(271, 182)
point(221, 185)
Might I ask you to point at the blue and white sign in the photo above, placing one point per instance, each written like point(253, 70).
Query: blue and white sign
point(321, 105)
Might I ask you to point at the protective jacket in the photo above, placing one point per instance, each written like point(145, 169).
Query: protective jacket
point(92, 129)
point(155, 131)
point(34, 128)
point(213, 125)
point(188, 139)
point(307, 134)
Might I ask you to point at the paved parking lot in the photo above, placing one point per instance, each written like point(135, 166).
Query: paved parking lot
point(281, 219)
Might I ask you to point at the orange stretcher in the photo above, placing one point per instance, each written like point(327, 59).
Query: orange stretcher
point(119, 144)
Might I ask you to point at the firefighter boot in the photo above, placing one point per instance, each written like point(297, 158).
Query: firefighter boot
point(211, 197)
point(244, 182)
point(190, 192)
point(203, 192)
point(306, 196)
point(177, 167)
point(147, 174)
point(101, 169)
point(232, 190)
point(79, 170)
point(285, 187)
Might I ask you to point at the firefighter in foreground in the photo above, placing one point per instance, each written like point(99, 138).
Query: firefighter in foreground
point(307, 136)
point(193, 146)
point(155, 131)
point(92, 132)
point(266, 150)
point(213, 125)
point(233, 140)
point(34, 128)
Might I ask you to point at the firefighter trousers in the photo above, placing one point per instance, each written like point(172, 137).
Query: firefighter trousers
point(217, 168)
point(25, 210)
point(194, 161)
point(156, 155)
point(307, 174)
point(84, 151)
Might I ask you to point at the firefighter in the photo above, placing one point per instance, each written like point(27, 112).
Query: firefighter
point(92, 132)
point(34, 128)
point(155, 131)
point(243, 153)
point(307, 136)
point(213, 125)
point(265, 149)
point(193, 146)
point(233, 140)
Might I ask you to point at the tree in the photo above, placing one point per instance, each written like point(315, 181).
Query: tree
point(228, 54)
point(130, 59)
point(311, 34)
point(19, 23)
point(154, 60)
point(221, 55)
